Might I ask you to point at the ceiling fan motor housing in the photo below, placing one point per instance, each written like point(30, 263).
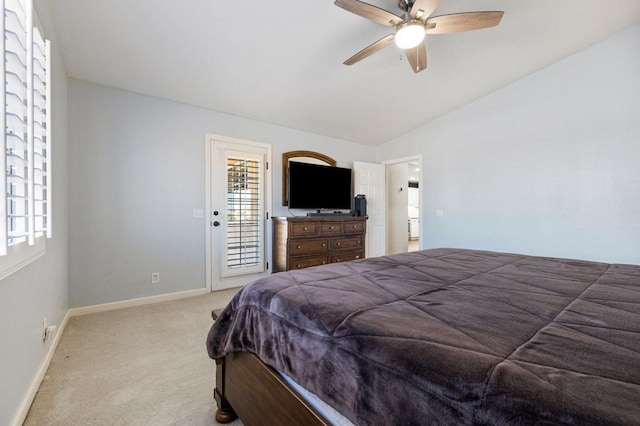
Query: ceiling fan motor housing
point(405, 5)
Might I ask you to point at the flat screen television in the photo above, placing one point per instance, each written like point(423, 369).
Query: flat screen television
point(313, 186)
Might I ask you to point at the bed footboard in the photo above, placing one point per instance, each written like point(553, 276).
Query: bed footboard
point(249, 389)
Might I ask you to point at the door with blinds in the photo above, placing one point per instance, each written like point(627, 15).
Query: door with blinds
point(239, 213)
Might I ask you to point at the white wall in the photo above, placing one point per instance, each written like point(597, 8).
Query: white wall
point(137, 171)
point(40, 289)
point(548, 165)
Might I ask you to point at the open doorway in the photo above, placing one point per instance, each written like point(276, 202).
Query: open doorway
point(403, 204)
point(414, 207)
point(390, 206)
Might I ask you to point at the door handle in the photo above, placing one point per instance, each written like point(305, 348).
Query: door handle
point(216, 223)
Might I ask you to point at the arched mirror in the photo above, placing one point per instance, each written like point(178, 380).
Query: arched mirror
point(303, 157)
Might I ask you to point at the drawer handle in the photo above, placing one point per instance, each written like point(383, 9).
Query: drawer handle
point(299, 247)
point(355, 226)
point(298, 266)
point(358, 242)
point(337, 244)
point(305, 228)
point(324, 262)
point(324, 244)
point(358, 257)
point(338, 260)
point(332, 227)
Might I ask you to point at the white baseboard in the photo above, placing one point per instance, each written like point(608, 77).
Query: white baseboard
point(23, 410)
point(74, 312)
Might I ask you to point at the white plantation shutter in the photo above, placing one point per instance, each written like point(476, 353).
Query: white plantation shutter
point(244, 250)
point(25, 203)
point(16, 174)
point(41, 157)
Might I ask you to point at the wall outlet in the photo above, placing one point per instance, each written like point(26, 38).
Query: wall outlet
point(49, 332)
point(155, 278)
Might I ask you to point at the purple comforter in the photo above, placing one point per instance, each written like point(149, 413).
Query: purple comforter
point(450, 336)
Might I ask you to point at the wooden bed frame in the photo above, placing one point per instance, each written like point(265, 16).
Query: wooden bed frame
point(248, 388)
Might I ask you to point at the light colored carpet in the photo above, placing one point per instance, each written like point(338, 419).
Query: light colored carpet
point(145, 365)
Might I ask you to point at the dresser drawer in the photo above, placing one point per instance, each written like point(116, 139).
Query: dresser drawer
point(347, 243)
point(330, 228)
point(308, 246)
point(348, 256)
point(307, 262)
point(306, 229)
point(353, 227)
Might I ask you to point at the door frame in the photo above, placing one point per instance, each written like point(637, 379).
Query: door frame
point(210, 139)
point(410, 159)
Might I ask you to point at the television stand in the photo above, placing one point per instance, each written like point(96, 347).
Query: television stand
point(301, 242)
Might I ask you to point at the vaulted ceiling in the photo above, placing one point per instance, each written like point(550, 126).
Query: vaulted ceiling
point(281, 61)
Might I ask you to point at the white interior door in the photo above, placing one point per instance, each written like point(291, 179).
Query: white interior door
point(369, 179)
point(398, 208)
point(238, 213)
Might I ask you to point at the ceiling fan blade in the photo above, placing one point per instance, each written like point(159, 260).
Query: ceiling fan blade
point(417, 57)
point(369, 11)
point(370, 50)
point(459, 22)
point(421, 9)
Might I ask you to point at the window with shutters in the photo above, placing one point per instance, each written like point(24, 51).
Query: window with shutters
point(25, 202)
point(244, 213)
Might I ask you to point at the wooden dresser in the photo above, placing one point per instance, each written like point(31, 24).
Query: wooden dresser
point(301, 242)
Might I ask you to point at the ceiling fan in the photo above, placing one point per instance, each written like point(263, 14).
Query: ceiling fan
point(412, 26)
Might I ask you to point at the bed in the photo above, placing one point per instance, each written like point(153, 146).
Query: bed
point(442, 336)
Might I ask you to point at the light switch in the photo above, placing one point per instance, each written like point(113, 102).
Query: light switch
point(439, 213)
point(198, 213)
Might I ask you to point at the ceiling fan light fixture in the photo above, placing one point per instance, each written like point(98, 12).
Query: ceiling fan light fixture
point(409, 35)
